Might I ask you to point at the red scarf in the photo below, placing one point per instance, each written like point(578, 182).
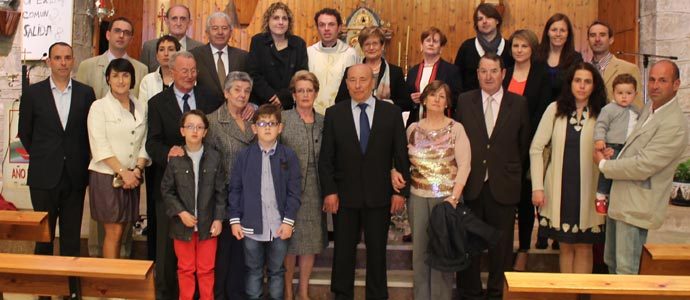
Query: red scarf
point(421, 69)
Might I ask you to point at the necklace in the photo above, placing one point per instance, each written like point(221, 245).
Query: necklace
point(577, 124)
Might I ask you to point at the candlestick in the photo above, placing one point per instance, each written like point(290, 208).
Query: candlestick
point(399, 52)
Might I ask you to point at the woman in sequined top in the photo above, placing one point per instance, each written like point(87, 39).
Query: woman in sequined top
point(440, 163)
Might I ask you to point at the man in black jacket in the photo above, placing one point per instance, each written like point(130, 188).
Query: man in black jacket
point(52, 128)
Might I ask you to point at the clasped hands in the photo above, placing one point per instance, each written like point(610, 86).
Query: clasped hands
point(331, 202)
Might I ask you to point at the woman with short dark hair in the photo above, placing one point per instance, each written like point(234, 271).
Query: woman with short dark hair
point(117, 125)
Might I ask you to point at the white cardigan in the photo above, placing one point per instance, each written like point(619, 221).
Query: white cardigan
point(150, 85)
point(113, 131)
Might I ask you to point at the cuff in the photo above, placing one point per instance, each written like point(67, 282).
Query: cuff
point(289, 221)
point(601, 165)
point(234, 221)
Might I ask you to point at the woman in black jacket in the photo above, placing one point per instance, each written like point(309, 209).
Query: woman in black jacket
point(433, 67)
point(275, 55)
point(390, 83)
point(530, 80)
point(557, 50)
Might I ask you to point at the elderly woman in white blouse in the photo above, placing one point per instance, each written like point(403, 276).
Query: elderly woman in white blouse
point(155, 82)
point(117, 127)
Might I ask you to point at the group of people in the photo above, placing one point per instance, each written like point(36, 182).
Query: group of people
point(244, 153)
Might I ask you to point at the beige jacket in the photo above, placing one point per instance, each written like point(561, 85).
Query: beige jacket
point(114, 132)
point(643, 172)
point(554, 132)
point(91, 72)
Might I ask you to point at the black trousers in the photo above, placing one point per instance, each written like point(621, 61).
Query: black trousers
point(526, 215)
point(501, 217)
point(64, 203)
point(230, 267)
point(166, 261)
point(348, 224)
point(149, 177)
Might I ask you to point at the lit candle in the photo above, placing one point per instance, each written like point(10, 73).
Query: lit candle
point(399, 52)
point(407, 44)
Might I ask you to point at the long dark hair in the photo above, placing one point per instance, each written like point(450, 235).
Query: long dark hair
point(565, 104)
point(568, 53)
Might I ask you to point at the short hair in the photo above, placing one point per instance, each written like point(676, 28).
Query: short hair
point(568, 53)
point(174, 56)
point(565, 103)
point(237, 76)
point(493, 57)
point(328, 11)
point(121, 65)
point(189, 13)
point(123, 19)
point(196, 112)
point(624, 78)
point(368, 32)
point(304, 75)
point(50, 49)
point(528, 36)
point(490, 11)
point(215, 15)
point(674, 68)
point(171, 39)
point(434, 87)
point(602, 23)
point(267, 110)
point(271, 10)
point(434, 31)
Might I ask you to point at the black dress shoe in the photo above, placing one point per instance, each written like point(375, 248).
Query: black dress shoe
point(542, 243)
point(555, 245)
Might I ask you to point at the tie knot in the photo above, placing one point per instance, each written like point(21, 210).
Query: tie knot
point(362, 106)
point(490, 99)
point(220, 53)
point(185, 97)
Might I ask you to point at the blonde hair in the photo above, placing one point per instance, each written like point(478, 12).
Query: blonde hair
point(306, 76)
point(271, 10)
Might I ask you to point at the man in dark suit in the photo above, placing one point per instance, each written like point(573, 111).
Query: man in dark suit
point(52, 128)
point(216, 59)
point(164, 141)
point(498, 127)
point(362, 139)
point(177, 19)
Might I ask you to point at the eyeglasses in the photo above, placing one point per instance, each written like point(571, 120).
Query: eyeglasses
point(267, 124)
point(185, 72)
point(120, 31)
point(304, 91)
point(194, 128)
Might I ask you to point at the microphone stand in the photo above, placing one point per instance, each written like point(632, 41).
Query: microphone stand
point(645, 65)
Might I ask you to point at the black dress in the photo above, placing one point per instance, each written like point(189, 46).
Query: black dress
point(569, 230)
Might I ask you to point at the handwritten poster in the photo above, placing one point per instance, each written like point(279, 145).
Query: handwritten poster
point(46, 22)
point(16, 164)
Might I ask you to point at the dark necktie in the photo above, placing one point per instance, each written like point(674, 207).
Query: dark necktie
point(364, 129)
point(185, 105)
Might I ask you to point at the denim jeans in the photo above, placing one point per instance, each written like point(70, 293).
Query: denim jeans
point(604, 185)
point(623, 247)
point(270, 254)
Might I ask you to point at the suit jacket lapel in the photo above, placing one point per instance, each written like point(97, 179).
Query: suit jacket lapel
point(503, 113)
point(53, 107)
point(211, 63)
point(377, 123)
point(73, 106)
point(350, 130)
point(172, 105)
point(611, 70)
point(478, 109)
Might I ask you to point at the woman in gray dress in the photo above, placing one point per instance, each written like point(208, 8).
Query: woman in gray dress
point(229, 133)
point(302, 132)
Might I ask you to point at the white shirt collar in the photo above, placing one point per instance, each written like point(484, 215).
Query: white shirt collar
point(653, 111)
point(53, 86)
point(498, 96)
point(215, 50)
point(111, 56)
point(371, 102)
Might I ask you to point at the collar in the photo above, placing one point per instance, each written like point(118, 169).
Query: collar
point(215, 50)
point(481, 51)
point(111, 56)
point(179, 93)
point(186, 150)
point(606, 58)
point(54, 87)
point(271, 150)
point(371, 102)
point(498, 96)
point(654, 111)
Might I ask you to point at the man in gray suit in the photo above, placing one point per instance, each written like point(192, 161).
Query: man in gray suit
point(177, 19)
point(216, 59)
point(643, 171)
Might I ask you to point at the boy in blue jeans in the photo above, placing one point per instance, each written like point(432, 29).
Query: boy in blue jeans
point(264, 197)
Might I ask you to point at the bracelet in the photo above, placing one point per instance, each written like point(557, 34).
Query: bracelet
point(120, 171)
point(141, 170)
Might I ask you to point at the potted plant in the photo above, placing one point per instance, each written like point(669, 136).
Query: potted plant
point(680, 192)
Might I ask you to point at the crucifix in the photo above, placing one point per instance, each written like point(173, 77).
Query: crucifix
point(161, 15)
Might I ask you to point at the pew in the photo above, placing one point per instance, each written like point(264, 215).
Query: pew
point(76, 276)
point(665, 259)
point(24, 225)
point(558, 286)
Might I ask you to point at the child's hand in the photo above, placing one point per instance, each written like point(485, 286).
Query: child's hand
point(599, 145)
point(216, 228)
point(237, 231)
point(285, 231)
point(187, 219)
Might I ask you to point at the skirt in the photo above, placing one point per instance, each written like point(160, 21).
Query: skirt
point(112, 205)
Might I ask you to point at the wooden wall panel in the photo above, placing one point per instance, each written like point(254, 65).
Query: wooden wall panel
point(622, 15)
point(453, 17)
point(132, 10)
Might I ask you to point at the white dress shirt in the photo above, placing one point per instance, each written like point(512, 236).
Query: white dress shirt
point(370, 112)
point(224, 57)
point(496, 104)
point(63, 100)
